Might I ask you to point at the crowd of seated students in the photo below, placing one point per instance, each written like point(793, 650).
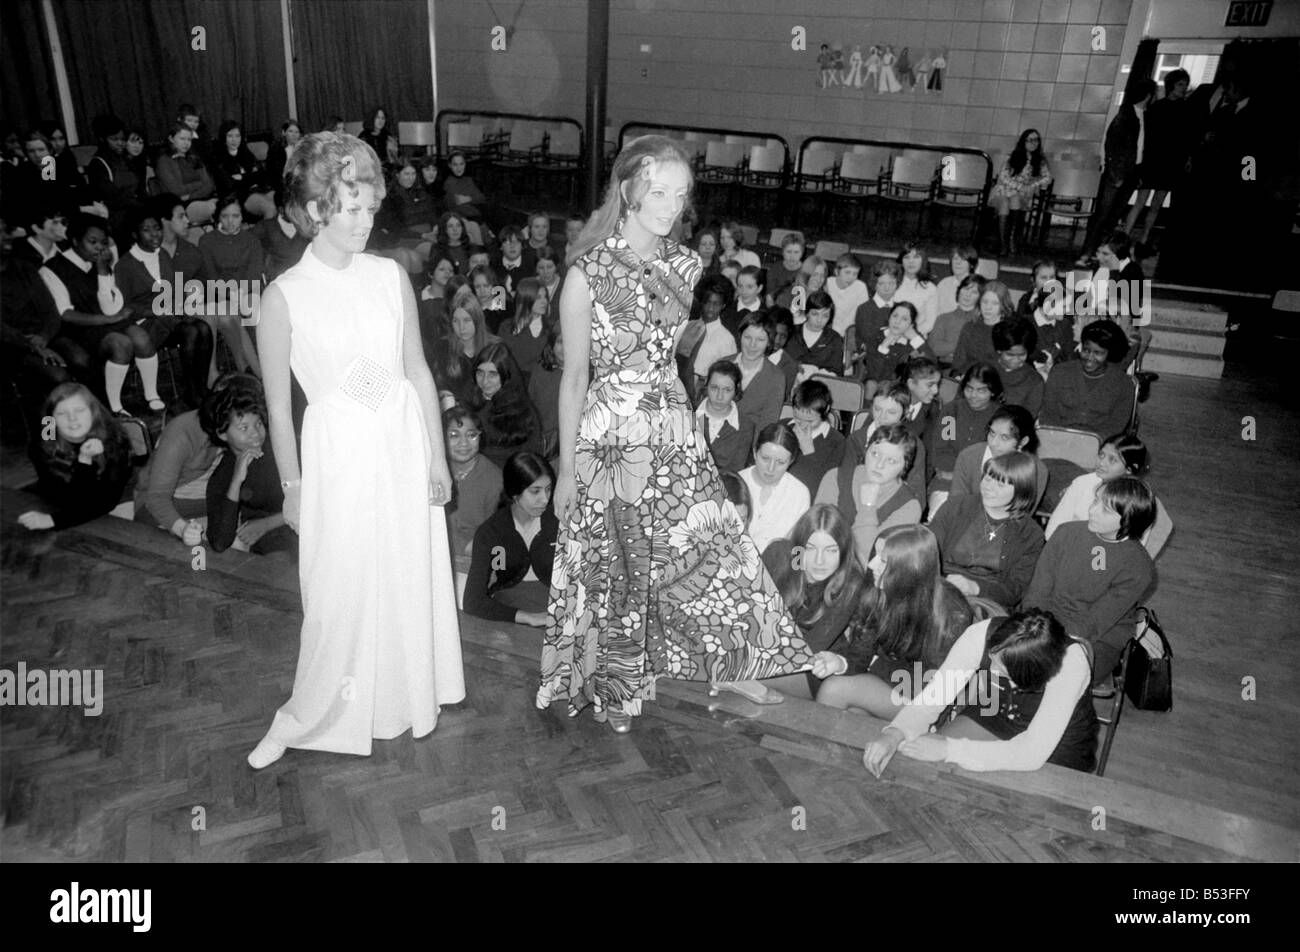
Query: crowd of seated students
point(886, 540)
point(952, 495)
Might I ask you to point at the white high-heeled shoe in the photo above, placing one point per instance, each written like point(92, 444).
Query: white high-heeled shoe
point(265, 753)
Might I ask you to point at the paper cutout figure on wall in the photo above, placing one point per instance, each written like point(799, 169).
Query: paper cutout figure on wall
point(937, 66)
point(888, 78)
point(854, 75)
point(824, 61)
point(905, 77)
point(873, 69)
point(922, 71)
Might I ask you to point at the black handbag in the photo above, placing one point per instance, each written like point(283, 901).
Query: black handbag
point(1148, 682)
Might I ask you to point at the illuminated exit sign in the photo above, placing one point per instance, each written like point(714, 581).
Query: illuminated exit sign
point(1248, 12)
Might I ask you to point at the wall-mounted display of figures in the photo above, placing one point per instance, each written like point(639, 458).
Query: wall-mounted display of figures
point(873, 68)
point(825, 59)
point(854, 76)
point(880, 69)
point(888, 78)
point(905, 77)
point(937, 66)
point(922, 70)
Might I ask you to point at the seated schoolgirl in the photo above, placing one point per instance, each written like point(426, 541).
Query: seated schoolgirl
point(477, 480)
point(875, 495)
point(525, 334)
point(760, 379)
point(975, 342)
point(948, 325)
point(1092, 575)
point(1010, 430)
point(887, 408)
point(783, 328)
point(895, 343)
point(728, 433)
point(460, 191)
point(510, 565)
point(962, 262)
point(817, 425)
point(847, 290)
point(1123, 454)
point(1015, 341)
point(84, 466)
point(171, 490)
point(905, 626)
point(990, 542)
point(815, 346)
point(1091, 393)
point(498, 308)
point(963, 422)
point(1031, 702)
point(819, 576)
point(917, 285)
point(500, 397)
point(245, 501)
point(778, 499)
point(873, 313)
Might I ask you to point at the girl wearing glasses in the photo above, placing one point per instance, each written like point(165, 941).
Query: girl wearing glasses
point(1023, 175)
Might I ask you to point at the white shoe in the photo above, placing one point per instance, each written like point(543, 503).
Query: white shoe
point(265, 753)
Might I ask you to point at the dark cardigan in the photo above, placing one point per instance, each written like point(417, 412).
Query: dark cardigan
point(499, 536)
point(1021, 546)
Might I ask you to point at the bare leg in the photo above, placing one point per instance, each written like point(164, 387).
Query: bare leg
point(861, 692)
point(1139, 203)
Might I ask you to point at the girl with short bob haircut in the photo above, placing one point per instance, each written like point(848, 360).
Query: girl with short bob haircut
point(989, 541)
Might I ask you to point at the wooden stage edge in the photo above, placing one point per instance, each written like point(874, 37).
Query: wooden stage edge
point(1060, 799)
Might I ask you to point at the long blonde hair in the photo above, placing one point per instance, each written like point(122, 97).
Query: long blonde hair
point(629, 180)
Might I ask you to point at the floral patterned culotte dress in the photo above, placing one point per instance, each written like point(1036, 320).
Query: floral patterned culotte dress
point(654, 574)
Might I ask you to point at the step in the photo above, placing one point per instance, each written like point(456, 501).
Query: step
point(1182, 364)
point(1197, 317)
point(1184, 341)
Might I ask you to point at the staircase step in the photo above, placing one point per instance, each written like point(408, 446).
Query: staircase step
point(1182, 341)
point(1197, 317)
point(1182, 364)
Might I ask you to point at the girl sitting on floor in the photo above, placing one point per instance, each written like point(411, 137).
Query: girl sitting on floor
point(1031, 702)
point(83, 466)
point(909, 620)
point(510, 565)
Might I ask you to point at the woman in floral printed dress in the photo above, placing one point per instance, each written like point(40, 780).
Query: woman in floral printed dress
point(654, 573)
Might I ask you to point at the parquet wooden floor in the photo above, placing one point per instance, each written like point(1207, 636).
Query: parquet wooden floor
point(195, 663)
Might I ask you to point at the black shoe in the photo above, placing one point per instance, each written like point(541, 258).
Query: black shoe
point(1148, 376)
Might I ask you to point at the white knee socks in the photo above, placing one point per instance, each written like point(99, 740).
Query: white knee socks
point(149, 378)
point(114, 377)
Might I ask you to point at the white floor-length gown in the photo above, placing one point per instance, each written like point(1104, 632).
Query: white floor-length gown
point(380, 635)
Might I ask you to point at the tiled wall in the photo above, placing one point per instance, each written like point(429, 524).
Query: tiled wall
point(1011, 64)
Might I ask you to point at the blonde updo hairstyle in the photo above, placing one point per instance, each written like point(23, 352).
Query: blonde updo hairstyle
point(629, 181)
point(323, 164)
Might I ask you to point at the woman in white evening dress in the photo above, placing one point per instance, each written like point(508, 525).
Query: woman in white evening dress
point(380, 646)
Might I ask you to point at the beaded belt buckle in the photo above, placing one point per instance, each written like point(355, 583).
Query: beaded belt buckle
point(367, 382)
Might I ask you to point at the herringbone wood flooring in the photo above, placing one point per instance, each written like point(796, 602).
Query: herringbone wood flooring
point(195, 663)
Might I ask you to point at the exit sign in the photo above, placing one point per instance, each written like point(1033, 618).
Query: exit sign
point(1248, 12)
